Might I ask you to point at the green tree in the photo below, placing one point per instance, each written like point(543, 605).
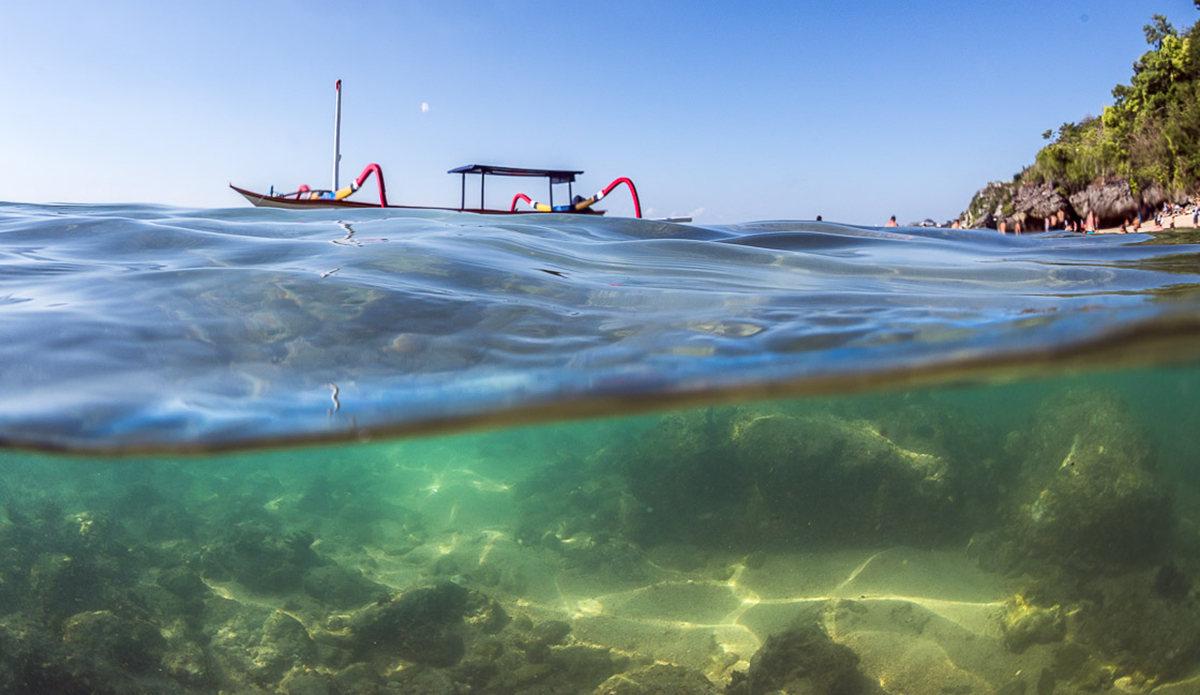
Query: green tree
point(1158, 30)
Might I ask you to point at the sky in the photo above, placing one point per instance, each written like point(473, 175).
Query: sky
point(728, 112)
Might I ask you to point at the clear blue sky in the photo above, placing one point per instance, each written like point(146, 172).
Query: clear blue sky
point(728, 111)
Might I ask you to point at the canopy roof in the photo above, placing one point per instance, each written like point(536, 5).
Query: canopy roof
point(555, 175)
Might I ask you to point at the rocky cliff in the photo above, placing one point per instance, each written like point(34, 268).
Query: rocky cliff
point(1112, 200)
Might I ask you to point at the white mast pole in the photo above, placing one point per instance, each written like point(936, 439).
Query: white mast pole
point(337, 133)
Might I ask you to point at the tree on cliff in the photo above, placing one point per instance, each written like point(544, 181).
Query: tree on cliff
point(1151, 133)
point(1158, 30)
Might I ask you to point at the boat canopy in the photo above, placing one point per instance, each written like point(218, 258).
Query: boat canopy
point(555, 175)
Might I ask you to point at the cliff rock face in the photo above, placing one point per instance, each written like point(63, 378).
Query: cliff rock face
point(1154, 196)
point(1112, 200)
point(1039, 201)
point(991, 203)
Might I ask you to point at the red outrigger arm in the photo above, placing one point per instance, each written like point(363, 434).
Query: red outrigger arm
point(637, 205)
point(584, 204)
point(349, 190)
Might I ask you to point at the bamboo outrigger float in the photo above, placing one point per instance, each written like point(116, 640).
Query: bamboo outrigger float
point(336, 197)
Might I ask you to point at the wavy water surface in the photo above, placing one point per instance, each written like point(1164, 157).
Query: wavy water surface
point(142, 328)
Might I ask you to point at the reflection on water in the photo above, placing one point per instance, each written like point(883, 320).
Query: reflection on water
point(1037, 537)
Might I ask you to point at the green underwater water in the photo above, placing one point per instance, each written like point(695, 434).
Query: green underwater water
point(1032, 537)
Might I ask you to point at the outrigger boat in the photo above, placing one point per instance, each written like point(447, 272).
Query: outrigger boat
point(336, 197)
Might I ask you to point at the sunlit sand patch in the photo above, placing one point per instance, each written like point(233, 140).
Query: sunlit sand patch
point(936, 603)
point(944, 575)
point(460, 497)
point(683, 602)
point(796, 576)
point(588, 606)
point(906, 665)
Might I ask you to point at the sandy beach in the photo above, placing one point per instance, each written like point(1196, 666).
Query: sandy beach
point(1181, 221)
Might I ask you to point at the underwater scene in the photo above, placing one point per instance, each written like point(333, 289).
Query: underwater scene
point(269, 452)
point(1033, 538)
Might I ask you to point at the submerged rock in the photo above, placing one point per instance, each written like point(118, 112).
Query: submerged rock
point(307, 682)
point(1145, 634)
point(250, 643)
point(553, 632)
point(1171, 583)
point(801, 660)
point(341, 587)
point(423, 680)
point(182, 582)
point(684, 484)
point(825, 478)
point(658, 679)
point(56, 565)
point(1025, 624)
point(486, 614)
point(61, 584)
point(285, 644)
point(1088, 499)
point(421, 625)
point(260, 557)
point(112, 644)
point(358, 678)
point(755, 477)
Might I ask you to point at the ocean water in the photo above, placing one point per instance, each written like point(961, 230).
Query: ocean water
point(359, 452)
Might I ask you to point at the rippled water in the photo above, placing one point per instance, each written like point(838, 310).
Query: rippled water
point(137, 327)
point(773, 457)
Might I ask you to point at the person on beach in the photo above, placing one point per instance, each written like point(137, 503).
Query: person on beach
point(892, 222)
point(1090, 227)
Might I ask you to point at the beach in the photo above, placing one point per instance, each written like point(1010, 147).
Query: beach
point(1181, 221)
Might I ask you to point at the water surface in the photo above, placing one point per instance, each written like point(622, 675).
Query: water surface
point(155, 328)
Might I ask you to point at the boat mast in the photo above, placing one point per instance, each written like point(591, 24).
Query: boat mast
point(337, 133)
